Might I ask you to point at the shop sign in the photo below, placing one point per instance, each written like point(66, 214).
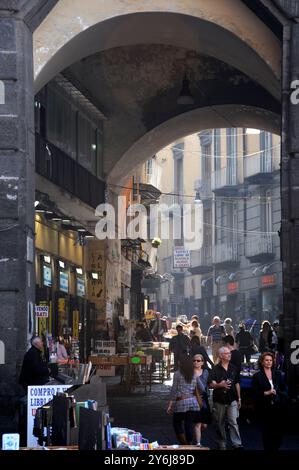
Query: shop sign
point(63, 282)
point(125, 272)
point(42, 311)
point(96, 263)
point(181, 257)
point(39, 395)
point(232, 287)
point(268, 280)
point(105, 347)
point(47, 276)
point(80, 287)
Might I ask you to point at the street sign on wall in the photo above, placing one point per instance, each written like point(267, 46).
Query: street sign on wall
point(42, 311)
point(181, 257)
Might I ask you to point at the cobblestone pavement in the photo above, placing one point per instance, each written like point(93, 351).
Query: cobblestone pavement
point(146, 413)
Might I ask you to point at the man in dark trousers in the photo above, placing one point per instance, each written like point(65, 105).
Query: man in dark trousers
point(225, 382)
point(179, 345)
point(34, 368)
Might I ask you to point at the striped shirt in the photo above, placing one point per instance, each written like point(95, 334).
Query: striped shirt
point(217, 333)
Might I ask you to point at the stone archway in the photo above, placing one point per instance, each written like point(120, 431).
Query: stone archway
point(189, 123)
point(228, 31)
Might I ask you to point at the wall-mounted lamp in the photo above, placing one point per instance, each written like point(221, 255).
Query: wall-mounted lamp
point(232, 276)
point(61, 264)
point(205, 281)
point(265, 268)
point(79, 271)
point(218, 278)
point(36, 203)
point(48, 150)
point(47, 259)
point(94, 275)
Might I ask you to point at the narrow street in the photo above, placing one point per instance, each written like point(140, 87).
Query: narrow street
point(146, 413)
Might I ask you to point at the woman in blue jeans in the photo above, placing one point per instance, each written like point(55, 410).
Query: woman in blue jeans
point(182, 401)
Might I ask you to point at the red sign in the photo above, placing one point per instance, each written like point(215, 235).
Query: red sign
point(269, 280)
point(232, 287)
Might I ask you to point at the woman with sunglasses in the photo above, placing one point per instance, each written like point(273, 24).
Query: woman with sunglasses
point(203, 417)
point(182, 401)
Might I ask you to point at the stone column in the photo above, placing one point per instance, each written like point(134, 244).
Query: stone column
point(17, 274)
point(290, 189)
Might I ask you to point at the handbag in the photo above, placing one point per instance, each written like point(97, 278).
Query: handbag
point(253, 349)
point(198, 397)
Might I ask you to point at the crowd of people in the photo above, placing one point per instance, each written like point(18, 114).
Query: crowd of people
point(195, 373)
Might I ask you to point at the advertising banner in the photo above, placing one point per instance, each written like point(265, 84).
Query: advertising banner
point(39, 395)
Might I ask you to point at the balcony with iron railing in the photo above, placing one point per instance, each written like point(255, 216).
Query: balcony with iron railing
point(259, 248)
point(201, 260)
point(261, 167)
point(226, 254)
point(224, 180)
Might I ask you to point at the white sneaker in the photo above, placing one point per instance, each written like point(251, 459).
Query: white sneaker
point(198, 444)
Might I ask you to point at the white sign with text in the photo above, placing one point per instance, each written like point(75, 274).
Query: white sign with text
point(39, 395)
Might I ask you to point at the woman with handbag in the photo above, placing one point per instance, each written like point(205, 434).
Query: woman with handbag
point(183, 402)
point(203, 417)
point(270, 398)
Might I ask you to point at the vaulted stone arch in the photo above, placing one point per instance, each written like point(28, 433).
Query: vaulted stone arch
point(228, 31)
point(189, 123)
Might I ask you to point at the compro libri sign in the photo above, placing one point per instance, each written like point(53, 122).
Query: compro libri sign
point(39, 395)
point(181, 257)
point(42, 311)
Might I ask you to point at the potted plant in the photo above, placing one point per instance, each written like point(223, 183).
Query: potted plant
point(156, 242)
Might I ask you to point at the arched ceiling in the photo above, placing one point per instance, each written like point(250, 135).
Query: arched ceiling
point(137, 89)
point(227, 30)
point(188, 123)
point(130, 58)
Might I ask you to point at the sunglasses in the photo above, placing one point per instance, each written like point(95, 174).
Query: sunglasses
point(197, 360)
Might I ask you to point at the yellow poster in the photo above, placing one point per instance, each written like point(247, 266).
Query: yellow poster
point(76, 324)
point(96, 265)
point(62, 315)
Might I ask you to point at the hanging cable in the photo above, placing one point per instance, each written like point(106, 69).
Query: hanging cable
point(238, 155)
point(237, 198)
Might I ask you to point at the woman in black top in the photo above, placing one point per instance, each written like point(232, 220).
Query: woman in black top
point(269, 391)
point(196, 348)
